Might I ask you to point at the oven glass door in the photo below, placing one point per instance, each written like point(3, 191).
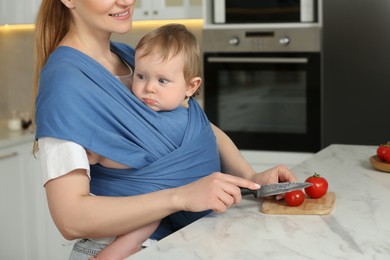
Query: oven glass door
point(265, 102)
point(263, 11)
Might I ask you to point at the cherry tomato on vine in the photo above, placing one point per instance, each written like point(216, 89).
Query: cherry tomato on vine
point(294, 198)
point(319, 187)
point(382, 150)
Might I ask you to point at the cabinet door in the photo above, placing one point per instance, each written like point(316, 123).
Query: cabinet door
point(193, 9)
point(27, 230)
point(18, 11)
point(167, 9)
point(3, 12)
point(44, 235)
point(142, 10)
point(13, 225)
point(177, 9)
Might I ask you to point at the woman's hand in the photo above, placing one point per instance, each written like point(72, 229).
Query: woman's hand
point(276, 174)
point(217, 192)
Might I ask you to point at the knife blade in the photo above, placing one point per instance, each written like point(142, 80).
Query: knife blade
point(276, 188)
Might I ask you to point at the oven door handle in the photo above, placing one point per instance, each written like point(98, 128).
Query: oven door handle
point(256, 60)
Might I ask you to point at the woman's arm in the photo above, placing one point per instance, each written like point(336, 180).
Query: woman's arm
point(77, 214)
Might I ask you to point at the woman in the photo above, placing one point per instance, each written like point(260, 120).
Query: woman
point(78, 93)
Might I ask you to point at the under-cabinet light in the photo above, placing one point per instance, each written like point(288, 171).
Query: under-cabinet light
point(146, 23)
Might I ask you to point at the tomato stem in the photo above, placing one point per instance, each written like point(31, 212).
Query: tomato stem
point(316, 175)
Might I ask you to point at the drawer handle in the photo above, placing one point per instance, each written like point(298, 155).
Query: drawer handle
point(6, 156)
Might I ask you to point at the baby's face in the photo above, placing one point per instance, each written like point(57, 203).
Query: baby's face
point(160, 84)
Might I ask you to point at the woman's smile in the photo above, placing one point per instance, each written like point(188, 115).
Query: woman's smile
point(124, 14)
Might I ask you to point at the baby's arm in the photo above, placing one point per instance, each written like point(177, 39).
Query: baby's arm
point(232, 161)
point(127, 244)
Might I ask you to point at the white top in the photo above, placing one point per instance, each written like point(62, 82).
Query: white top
point(59, 157)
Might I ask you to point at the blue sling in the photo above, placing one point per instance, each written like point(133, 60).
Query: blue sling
point(80, 101)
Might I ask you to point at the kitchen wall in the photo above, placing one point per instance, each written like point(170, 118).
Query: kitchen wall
point(16, 69)
point(17, 60)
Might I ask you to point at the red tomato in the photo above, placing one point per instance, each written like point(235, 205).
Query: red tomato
point(319, 187)
point(387, 157)
point(382, 150)
point(294, 198)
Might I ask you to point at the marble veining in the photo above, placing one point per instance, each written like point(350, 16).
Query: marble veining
point(358, 227)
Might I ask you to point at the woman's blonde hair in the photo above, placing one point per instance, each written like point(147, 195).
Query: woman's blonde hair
point(171, 40)
point(52, 23)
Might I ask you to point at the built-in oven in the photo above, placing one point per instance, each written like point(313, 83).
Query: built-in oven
point(263, 11)
point(263, 87)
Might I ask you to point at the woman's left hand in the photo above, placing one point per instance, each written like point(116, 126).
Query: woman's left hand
point(276, 174)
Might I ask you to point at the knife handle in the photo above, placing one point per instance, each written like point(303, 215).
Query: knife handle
point(245, 191)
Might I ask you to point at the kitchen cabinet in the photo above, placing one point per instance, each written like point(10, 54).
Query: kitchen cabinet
point(18, 12)
point(13, 224)
point(167, 9)
point(25, 11)
point(27, 230)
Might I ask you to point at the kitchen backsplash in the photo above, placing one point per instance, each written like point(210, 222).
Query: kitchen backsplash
point(16, 69)
point(17, 61)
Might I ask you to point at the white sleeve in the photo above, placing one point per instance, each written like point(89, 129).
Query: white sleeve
point(59, 157)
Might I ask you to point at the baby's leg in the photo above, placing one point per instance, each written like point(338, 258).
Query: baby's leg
point(127, 244)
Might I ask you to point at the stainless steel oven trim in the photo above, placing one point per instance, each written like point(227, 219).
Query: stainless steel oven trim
point(307, 11)
point(256, 60)
point(219, 10)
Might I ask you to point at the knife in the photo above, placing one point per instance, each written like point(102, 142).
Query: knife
point(276, 188)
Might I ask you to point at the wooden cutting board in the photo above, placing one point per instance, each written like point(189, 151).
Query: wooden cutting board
point(321, 206)
point(379, 165)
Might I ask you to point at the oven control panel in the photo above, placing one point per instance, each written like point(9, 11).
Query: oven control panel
point(253, 40)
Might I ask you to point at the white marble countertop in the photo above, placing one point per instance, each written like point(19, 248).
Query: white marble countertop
point(358, 227)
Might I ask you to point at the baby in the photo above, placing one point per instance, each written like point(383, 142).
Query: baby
point(163, 82)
